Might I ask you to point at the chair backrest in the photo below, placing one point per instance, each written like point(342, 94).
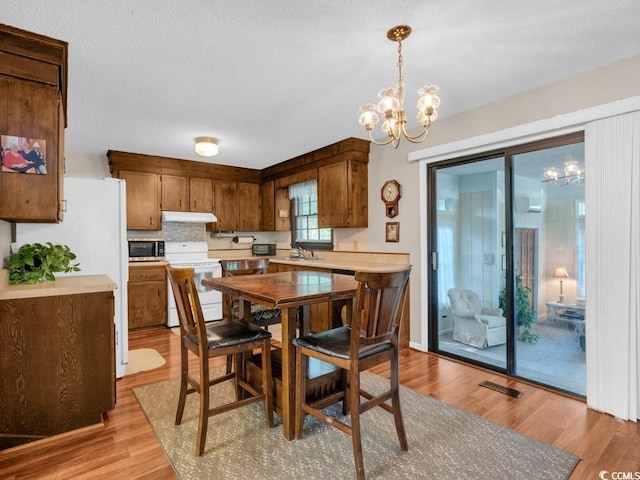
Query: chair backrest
point(246, 266)
point(187, 302)
point(462, 299)
point(236, 268)
point(380, 301)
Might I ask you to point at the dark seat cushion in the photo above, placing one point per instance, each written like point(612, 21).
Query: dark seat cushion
point(335, 343)
point(260, 315)
point(226, 333)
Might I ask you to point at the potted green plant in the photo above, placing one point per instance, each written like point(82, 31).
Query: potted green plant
point(33, 263)
point(523, 313)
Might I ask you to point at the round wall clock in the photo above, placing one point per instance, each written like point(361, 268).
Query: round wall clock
point(390, 194)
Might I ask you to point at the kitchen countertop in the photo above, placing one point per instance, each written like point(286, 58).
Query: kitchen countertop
point(69, 285)
point(159, 263)
point(351, 264)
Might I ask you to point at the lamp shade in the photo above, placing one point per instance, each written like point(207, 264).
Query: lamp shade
point(560, 272)
point(206, 146)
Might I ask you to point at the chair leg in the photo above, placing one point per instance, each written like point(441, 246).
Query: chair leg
point(395, 403)
point(301, 392)
point(229, 363)
point(356, 439)
point(345, 389)
point(267, 382)
point(203, 420)
point(239, 372)
point(184, 371)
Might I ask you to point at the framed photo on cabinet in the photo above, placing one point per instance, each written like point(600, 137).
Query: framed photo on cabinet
point(393, 232)
point(21, 154)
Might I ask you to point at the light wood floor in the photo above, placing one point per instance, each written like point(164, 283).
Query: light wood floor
point(125, 447)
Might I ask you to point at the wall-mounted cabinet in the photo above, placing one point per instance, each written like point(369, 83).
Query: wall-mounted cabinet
point(267, 202)
point(32, 107)
point(200, 195)
point(246, 199)
point(249, 211)
point(175, 193)
point(226, 206)
point(143, 200)
point(343, 195)
point(237, 206)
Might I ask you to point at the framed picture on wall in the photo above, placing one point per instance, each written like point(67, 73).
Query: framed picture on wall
point(393, 232)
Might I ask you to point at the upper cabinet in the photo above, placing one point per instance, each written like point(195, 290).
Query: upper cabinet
point(343, 195)
point(33, 91)
point(341, 170)
point(200, 195)
point(226, 206)
point(175, 193)
point(243, 199)
point(143, 200)
point(267, 202)
point(249, 211)
point(183, 185)
point(237, 206)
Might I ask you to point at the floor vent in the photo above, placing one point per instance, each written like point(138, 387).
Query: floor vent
point(499, 388)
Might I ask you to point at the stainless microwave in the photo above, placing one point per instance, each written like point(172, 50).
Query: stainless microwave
point(263, 249)
point(146, 249)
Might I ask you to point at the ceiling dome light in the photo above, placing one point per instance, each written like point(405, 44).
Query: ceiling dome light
point(206, 146)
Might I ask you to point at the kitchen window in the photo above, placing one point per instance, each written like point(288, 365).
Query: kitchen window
point(305, 232)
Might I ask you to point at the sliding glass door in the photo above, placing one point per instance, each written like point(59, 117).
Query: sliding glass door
point(507, 283)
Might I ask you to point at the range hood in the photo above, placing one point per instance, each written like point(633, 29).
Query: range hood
point(189, 217)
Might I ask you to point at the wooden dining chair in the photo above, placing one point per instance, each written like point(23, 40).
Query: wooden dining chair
point(370, 339)
point(222, 338)
point(260, 315)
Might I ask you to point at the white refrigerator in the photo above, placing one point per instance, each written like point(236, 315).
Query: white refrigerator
point(95, 229)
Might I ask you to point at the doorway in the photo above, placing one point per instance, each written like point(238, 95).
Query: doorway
point(501, 225)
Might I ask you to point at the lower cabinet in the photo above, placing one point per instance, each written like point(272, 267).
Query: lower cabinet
point(57, 361)
point(147, 291)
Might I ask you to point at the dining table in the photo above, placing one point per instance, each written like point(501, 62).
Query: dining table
point(293, 293)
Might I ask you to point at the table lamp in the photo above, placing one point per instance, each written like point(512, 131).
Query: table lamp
point(560, 273)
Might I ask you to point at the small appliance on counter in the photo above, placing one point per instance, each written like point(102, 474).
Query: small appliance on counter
point(146, 249)
point(263, 249)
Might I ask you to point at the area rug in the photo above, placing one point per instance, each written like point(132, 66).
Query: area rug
point(444, 442)
point(143, 359)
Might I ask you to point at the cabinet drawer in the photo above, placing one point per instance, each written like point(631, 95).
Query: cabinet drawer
point(146, 274)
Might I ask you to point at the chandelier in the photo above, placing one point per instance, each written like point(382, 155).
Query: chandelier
point(391, 104)
point(572, 173)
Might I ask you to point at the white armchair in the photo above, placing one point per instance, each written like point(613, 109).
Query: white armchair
point(474, 325)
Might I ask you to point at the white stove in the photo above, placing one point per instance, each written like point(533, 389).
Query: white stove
point(195, 255)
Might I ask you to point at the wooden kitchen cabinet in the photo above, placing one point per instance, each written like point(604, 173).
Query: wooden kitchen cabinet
point(33, 89)
point(147, 291)
point(268, 206)
point(343, 195)
point(201, 195)
point(57, 361)
point(175, 193)
point(143, 200)
point(226, 206)
point(237, 206)
point(249, 212)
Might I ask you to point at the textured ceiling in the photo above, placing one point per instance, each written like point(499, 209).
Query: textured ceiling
point(276, 79)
